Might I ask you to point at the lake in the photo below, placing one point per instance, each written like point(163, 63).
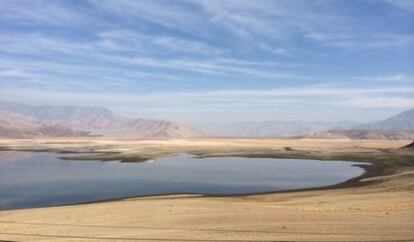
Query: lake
point(38, 179)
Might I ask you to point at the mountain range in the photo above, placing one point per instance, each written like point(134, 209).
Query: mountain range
point(23, 120)
point(363, 134)
point(17, 126)
point(402, 121)
point(272, 128)
point(395, 127)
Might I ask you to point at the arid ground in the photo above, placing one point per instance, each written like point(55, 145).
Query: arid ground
point(378, 206)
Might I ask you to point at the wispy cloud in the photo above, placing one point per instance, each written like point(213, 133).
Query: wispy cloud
point(16, 73)
point(340, 96)
point(361, 42)
point(44, 13)
point(393, 78)
point(158, 12)
point(40, 44)
point(127, 40)
point(379, 102)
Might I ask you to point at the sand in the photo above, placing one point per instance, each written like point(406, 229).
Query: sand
point(374, 209)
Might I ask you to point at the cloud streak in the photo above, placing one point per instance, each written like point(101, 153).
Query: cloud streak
point(336, 96)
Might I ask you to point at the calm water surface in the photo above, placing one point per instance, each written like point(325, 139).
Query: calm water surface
point(42, 179)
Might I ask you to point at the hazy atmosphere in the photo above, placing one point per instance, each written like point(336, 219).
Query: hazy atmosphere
point(212, 61)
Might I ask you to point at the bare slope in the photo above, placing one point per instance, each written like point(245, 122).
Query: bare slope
point(71, 116)
point(18, 126)
point(145, 128)
point(401, 121)
point(15, 125)
point(98, 121)
point(272, 128)
point(364, 134)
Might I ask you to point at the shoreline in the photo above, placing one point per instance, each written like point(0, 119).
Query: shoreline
point(371, 170)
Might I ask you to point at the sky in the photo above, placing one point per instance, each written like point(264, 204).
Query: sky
point(212, 61)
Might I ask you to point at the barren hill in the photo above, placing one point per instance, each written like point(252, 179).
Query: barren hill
point(18, 126)
point(272, 128)
point(62, 120)
point(363, 134)
point(401, 121)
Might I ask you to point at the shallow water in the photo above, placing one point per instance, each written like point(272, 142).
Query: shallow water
point(32, 179)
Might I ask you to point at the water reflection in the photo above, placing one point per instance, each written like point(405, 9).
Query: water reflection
point(42, 179)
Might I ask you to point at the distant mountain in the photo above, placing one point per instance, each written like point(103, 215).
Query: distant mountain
point(61, 131)
point(272, 128)
point(401, 121)
point(86, 118)
point(147, 128)
point(363, 134)
point(19, 120)
point(398, 127)
point(14, 125)
point(98, 121)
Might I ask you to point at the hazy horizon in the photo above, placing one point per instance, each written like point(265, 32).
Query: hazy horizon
point(212, 61)
point(203, 122)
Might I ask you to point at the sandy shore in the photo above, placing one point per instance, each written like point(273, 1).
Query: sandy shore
point(380, 210)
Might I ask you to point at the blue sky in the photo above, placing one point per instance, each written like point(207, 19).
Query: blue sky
point(212, 61)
